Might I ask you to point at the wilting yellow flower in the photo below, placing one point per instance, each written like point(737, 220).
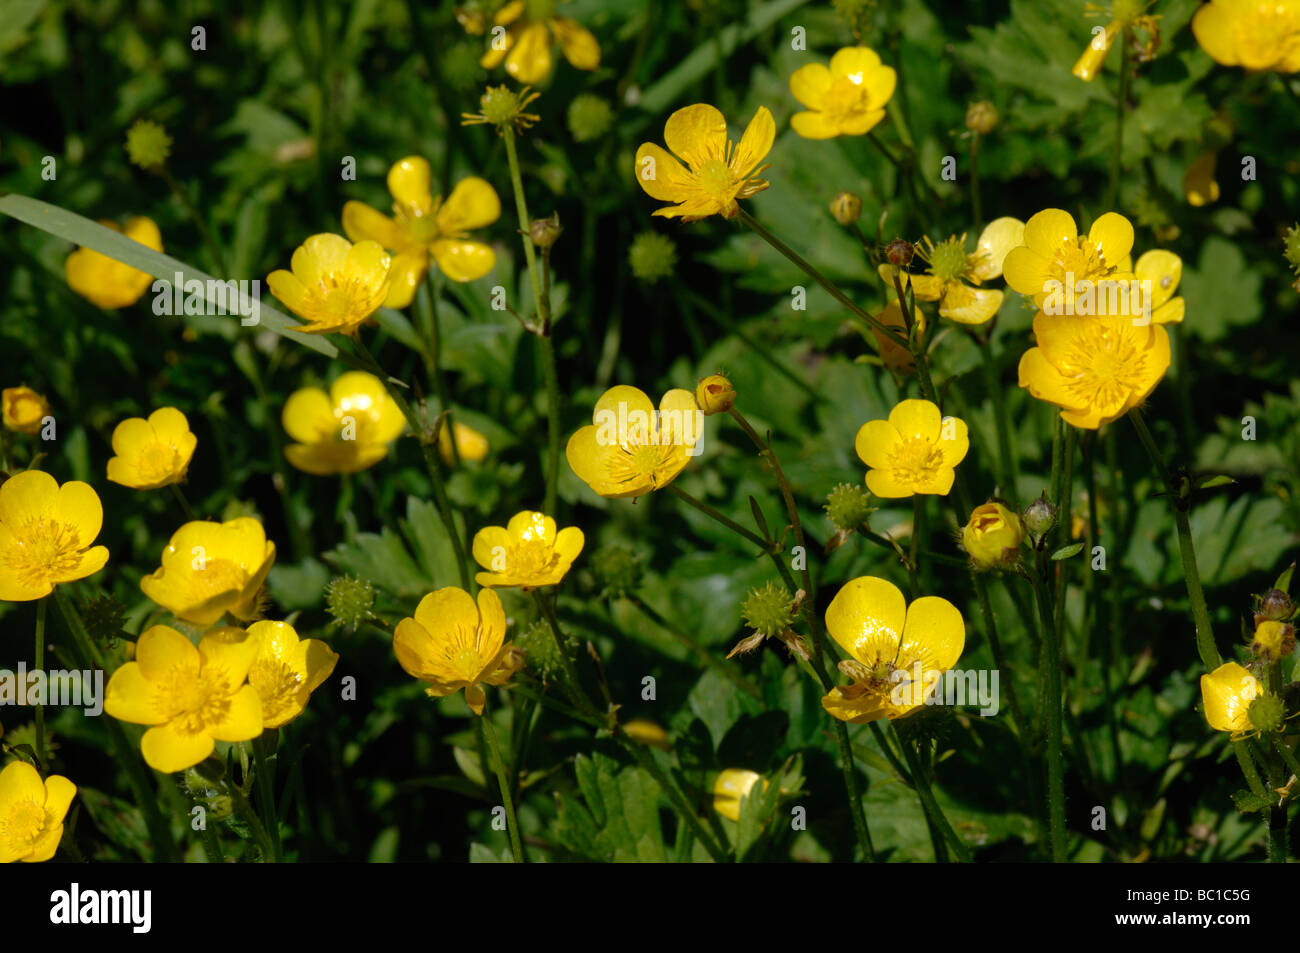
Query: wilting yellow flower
point(893, 355)
point(717, 172)
point(1163, 269)
point(209, 569)
point(631, 449)
point(285, 670)
point(950, 268)
point(193, 697)
point(23, 409)
point(730, 788)
point(345, 431)
point(45, 534)
point(106, 282)
point(1096, 369)
point(532, 29)
point(1054, 251)
point(424, 225)
point(154, 452)
point(898, 651)
point(453, 643)
point(1226, 694)
point(992, 536)
point(334, 285)
point(1199, 185)
point(31, 813)
point(1273, 640)
point(847, 99)
point(914, 451)
point(1254, 34)
point(526, 552)
point(1094, 55)
point(470, 444)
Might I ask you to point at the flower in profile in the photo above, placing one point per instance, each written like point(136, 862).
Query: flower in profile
point(46, 531)
point(470, 444)
point(23, 409)
point(1227, 694)
point(454, 643)
point(899, 652)
point(106, 282)
point(1199, 185)
point(717, 171)
point(209, 569)
point(730, 789)
point(192, 697)
point(846, 99)
point(951, 271)
point(631, 449)
point(1054, 251)
point(1096, 369)
point(715, 394)
point(893, 355)
point(31, 813)
point(285, 669)
point(1094, 54)
point(532, 28)
point(345, 431)
point(1252, 34)
point(1140, 30)
point(423, 225)
point(912, 452)
point(334, 285)
point(992, 536)
point(154, 452)
point(526, 552)
point(1163, 269)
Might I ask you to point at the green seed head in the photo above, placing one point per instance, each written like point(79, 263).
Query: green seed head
point(1266, 713)
point(849, 507)
point(147, 144)
point(652, 256)
point(589, 117)
point(767, 609)
point(350, 600)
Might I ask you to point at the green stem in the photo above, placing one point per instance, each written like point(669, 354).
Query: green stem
point(264, 784)
point(729, 672)
point(1117, 156)
point(525, 223)
point(552, 421)
point(921, 781)
point(250, 817)
point(1286, 754)
point(39, 662)
point(1009, 464)
point(1242, 750)
point(976, 213)
point(717, 516)
point(1052, 707)
point(572, 685)
point(995, 646)
point(512, 821)
point(184, 503)
point(679, 802)
point(432, 340)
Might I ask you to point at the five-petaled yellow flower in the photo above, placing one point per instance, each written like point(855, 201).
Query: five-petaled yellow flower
point(717, 171)
point(209, 569)
point(950, 268)
point(1254, 34)
point(154, 452)
point(531, 29)
point(631, 449)
point(31, 813)
point(106, 282)
point(1055, 252)
point(192, 697)
point(526, 552)
point(470, 444)
point(1226, 696)
point(992, 536)
point(423, 225)
point(285, 669)
point(912, 452)
point(23, 409)
point(46, 531)
point(1096, 369)
point(730, 788)
point(345, 431)
point(334, 285)
point(899, 652)
point(846, 99)
point(454, 643)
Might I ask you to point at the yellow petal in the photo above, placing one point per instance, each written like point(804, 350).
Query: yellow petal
point(934, 634)
point(290, 290)
point(167, 749)
point(228, 650)
point(810, 84)
point(660, 175)
point(1164, 270)
point(1215, 29)
point(854, 61)
point(1050, 229)
point(363, 223)
point(78, 504)
point(579, 46)
point(866, 618)
point(447, 609)
point(1112, 233)
point(1027, 271)
point(916, 418)
point(696, 133)
point(529, 60)
point(132, 697)
point(30, 495)
point(492, 623)
point(473, 203)
point(1226, 694)
point(491, 548)
point(162, 653)
point(998, 238)
point(19, 781)
point(967, 305)
point(319, 257)
point(755, 143)
point(568, 544)
point(308, 415)
point(857, 709)
point(814, 125)
point(59, 792)
point(243, 717)
point(875, 441)
point(463, 260)
point(407, 270)
point(409, 183)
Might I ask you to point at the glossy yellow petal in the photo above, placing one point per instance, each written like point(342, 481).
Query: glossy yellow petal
point(492, 623)
point(866, 618)
point(473, 203)
point(995, 242)
point(319, 660)
point(59, 792)
point(410, 183)
point(967, 305)
point(529, 60)
point(568, 544)
point(1027, 271)
point(814, 125)
point(308, 415)
point(363, 223)
point(290, 290)
point(132, 697)
point(660, 175)
point(579, 46)
point(1226, 694)
point(78, 506)
point(319, 257)
point(810, 84)
point(1164, 270)
point(491, 547)
point(29, 495)
point(919, 419)
point(405, 273)
point(875, 440)
point(1112, 233)
point(447, 608)
point(19, 781)
point(463, 260)
point(1215, 29)
point(243, 717)
point(228, 650)
point(1049, 229)
point(934, 634)
point(755, 144)
point(884, 484)
point(854, 61)
point(697, 134)
point(855, 708)
point(168, 749)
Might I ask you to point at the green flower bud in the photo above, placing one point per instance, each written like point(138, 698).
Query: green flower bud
point(981, 117)
point(147, 144)
point(767, 610)
point(849, 507)
point(1039, 516)
point(545, 232)
point(589, 117)
point(617, 569)
point(350, 600)
point(1266, 713)
point(652, 256)
point(541, 656)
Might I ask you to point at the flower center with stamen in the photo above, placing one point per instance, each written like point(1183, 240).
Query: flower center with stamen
point(1103, 367)
point(716, 178)
point(278, 685)
point(1082, 260)
point(846, 97)
point(218, 576)
point(22, 826)
point(915, 460)
point(44, 549)
point(193, 703)
point(532, 557)
point(948, 259)
point(157, 461)
point(637, 462)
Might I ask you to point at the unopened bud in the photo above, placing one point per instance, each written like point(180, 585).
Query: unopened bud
point(981, 117)
point(899, 253)
point(545, 232)
point(846, 207)
point(715, 395)
point(1039, 516)
point(1273, 605)
point(1273, 640)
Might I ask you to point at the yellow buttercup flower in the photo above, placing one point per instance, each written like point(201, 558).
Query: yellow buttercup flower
point(992, 536)
point(526, 552)
point(912, 452)
point(1094, 54)
point(730, 788)
point(631, 449)
point(454, 643)
point(192, 697)
point(846, 99)
point(285, 669)
point(470, 444)
point(106, 282)
point(898, 651)
point(31, 813)
point(717, 171)
point(1254, 34)
point(1226, 696)
point(45, 534)
point(23, 409)
point(345, 431)
point(1054, 251)
point(423, 225)
point(950, 269)
point(209, 569)
point(1096, 369)
point(334, 285)
point(154, 452)
point(532, 29)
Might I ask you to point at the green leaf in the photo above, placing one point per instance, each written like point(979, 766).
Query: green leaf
point(1223, 290)
point(1207, 482)
point(1248, 802)
point(1283, 581)
point(1065, 552)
